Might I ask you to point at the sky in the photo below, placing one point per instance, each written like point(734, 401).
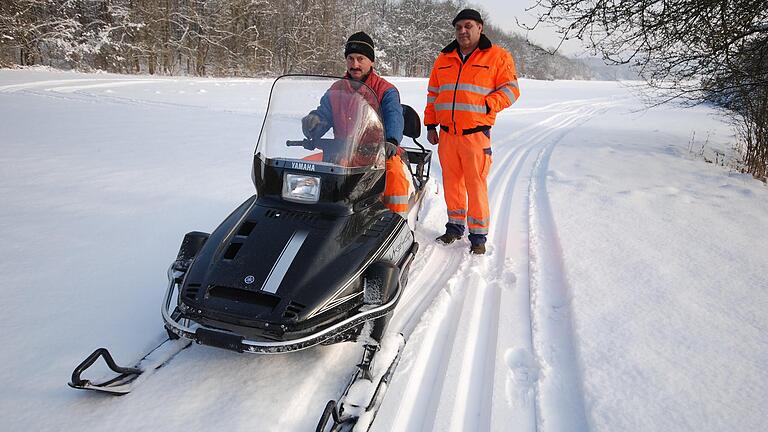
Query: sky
point(502, 13)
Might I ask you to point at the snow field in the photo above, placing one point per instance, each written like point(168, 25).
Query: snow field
point(623, 288)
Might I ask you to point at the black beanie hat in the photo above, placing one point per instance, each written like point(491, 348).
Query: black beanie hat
point(359, 43)
point(468, 14)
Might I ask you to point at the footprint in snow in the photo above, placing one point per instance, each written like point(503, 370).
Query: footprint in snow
point(523, 374)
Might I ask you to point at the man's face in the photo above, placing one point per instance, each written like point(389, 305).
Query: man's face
point(358, 66)
point(468, 33)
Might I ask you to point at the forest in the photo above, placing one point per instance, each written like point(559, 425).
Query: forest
point(246, 37)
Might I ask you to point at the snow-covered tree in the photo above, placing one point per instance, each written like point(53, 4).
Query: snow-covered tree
point(240, 37)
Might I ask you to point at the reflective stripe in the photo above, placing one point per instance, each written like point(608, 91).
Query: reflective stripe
point(478, 230)
point(395, 199)
point(510, 83)
point(474, 89)
point(470, 108)
point(448, 87)
point(457, 221)
point(431, 99)
point(461, 107)
point(509, 94)
point(464, 87)
point(482, 222)
point(457, 212)
point(433, 89)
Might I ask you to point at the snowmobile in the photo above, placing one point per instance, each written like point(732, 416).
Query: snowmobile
point(314, 257)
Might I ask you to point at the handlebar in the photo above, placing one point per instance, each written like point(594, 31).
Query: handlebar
point(297, 143)
point(313, 143)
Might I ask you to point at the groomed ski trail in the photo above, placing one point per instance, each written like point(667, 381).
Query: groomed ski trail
point(504, 314)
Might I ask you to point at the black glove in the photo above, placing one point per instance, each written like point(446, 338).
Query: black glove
point(390, 149)
point(310, 125)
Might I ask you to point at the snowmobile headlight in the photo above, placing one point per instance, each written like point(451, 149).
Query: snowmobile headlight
point(301, 188)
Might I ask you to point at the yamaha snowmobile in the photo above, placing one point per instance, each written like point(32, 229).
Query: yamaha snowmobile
point(314, 257)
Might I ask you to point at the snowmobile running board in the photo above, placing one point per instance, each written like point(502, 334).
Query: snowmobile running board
point(127, 377)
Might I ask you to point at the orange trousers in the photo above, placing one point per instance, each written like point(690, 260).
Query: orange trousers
point(466, 161)
point(398, 186)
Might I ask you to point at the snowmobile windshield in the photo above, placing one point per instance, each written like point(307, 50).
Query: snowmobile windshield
point(331, 122)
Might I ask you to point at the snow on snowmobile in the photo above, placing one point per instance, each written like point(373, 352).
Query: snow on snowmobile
point(314, 257)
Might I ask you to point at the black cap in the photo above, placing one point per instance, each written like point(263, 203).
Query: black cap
point(468, 14)
point(359, 43)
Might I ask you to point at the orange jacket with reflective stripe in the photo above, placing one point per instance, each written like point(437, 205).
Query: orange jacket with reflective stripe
point(465, 97)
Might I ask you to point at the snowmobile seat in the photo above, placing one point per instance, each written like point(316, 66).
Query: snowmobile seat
point(418, 159)
point(411, 122)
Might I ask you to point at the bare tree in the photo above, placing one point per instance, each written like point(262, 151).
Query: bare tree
point(39, 29)
point(699, 51)
point(674, 43)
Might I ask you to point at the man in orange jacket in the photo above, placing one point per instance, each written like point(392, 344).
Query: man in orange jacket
point(471, 81)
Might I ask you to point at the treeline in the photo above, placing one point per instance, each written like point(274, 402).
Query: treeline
point(741, 89)
point(244, 37)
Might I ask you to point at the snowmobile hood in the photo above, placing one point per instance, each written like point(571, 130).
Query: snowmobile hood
point(282, 267)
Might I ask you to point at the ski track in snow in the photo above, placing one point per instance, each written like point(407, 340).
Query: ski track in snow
point(505, 314)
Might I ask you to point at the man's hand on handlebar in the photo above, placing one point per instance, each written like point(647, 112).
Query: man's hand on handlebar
point(312, 125)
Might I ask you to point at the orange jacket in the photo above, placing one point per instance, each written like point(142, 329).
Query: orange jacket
point(465, 97)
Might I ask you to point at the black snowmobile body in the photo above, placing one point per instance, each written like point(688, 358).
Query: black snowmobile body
point(277, 275)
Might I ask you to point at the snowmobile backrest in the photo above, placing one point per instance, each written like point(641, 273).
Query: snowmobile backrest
point(411, 122)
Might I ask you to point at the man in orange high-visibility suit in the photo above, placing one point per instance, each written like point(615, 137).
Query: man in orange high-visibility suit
point(471, 81)
point(360, 56)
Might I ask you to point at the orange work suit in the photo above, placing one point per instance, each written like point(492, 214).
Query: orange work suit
point(398, 187)
point(463, 98)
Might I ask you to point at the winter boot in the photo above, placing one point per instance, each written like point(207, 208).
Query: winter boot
point(478, 243)
point(448, 238)
point(453, 232)
point(478, 249)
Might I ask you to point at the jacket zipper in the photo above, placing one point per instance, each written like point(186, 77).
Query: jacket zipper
point(455, 88)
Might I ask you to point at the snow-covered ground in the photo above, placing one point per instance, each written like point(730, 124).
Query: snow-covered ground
point(624, 289)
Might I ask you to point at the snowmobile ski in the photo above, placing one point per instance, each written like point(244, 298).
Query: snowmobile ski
point(126, 378)
point(358, 405)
